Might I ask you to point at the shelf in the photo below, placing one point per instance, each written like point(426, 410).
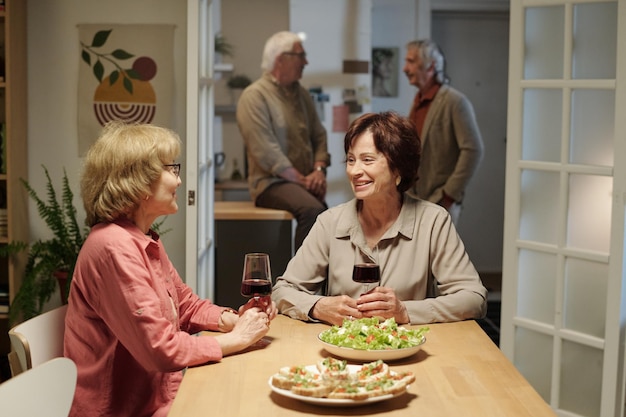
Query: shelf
point(223, 67)
point(231, 185)
point(13, 113)
point(225, 109)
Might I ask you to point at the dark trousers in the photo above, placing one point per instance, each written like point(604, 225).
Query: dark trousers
point(298, 201)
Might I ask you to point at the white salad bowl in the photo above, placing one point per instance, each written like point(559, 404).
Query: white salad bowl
point(370, 354)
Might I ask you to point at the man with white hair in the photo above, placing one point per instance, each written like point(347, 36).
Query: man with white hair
point(452, 147)
point(286, 144)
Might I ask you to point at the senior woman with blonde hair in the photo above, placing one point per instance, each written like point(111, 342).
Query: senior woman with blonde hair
point(425, 273)
point(130, 320)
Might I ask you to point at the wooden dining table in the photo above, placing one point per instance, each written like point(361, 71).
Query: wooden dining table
point(459, 372)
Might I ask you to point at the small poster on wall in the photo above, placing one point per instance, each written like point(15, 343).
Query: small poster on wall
point(385, 68)
point(125, 73)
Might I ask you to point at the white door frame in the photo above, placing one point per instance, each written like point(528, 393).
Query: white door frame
point(199, 257)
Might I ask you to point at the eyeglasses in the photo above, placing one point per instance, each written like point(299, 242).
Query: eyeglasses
point(301, 55)
point(173, 168)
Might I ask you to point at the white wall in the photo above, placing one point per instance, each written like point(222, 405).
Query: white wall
point(394, 23)
point(247, 32)
point(53, 62)
point(336, 31)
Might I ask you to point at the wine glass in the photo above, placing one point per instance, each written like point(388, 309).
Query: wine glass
point(366, 268)
point(256, 282)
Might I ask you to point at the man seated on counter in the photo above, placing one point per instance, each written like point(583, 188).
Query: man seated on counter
point(426, 275)
point(286, 144)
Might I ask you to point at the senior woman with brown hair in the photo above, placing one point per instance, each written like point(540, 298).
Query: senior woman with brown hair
point(426, 274)
point(130, 320)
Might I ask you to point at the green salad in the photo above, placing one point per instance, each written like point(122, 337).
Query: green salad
point(372, 334)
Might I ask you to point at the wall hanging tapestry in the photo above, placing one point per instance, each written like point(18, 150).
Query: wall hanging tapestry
point(125, 73)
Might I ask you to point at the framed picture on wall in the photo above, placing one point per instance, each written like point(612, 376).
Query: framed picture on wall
point(385, 68)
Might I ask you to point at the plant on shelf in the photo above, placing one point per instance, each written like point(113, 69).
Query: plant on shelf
point(238, 81)
point(236, 84)
point(222, 46)
point(50, 261)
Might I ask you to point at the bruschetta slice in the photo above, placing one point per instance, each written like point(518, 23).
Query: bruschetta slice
point(288, 376)
point(312, 388)
point(334, 370)
point(372, 371)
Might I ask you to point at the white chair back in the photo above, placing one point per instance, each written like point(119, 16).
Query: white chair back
point(45, 390)
point(38, 339)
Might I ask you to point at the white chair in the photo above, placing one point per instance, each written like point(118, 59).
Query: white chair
point(37, 340)
point(45, 390)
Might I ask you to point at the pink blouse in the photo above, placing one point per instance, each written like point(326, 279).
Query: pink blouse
point(130, 325)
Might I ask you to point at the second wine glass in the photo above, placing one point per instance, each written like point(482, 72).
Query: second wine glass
point(256, 281)
point(366, 268)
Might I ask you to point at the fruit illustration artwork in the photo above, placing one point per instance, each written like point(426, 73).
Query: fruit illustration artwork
point(125, 93)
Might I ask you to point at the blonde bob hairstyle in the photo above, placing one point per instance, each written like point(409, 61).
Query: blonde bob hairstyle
point(121, 167)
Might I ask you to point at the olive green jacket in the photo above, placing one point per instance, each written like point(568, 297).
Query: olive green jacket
point(452, 147)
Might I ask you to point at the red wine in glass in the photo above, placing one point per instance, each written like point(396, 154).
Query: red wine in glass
point(256, 281)
point(254, 287)
point(366, 274)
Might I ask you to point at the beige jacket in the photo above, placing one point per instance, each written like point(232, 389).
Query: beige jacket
point(420, 251)
point(452, 147)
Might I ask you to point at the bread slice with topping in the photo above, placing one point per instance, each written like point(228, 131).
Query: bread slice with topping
point(333, 370)
point(312, 388)
point(372, 371)
point(288, 376)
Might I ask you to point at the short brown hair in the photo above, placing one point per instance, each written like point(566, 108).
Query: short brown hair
point(121, 167)
point(396, 138)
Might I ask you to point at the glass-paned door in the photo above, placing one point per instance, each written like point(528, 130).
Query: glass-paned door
point(563, 277)
point(199, 145)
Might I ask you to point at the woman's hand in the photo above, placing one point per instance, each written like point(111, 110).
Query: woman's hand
point(334, 309)
point(382, 302)
point(251, 326)
point(263, 303)
point(228, 319)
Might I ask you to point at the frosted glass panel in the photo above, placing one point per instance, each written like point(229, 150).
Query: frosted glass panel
point(536, 286)
point(533, 358)
point(595, 40)
point(541, 125)
point(543, 37)
point(593, 118)
point(589, 212)
point(538, 210)
point(585, 293)
point(581, 379)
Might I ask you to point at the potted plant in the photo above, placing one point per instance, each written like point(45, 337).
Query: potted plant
point(222, 46)
point(237, 83)
point(50, 261)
